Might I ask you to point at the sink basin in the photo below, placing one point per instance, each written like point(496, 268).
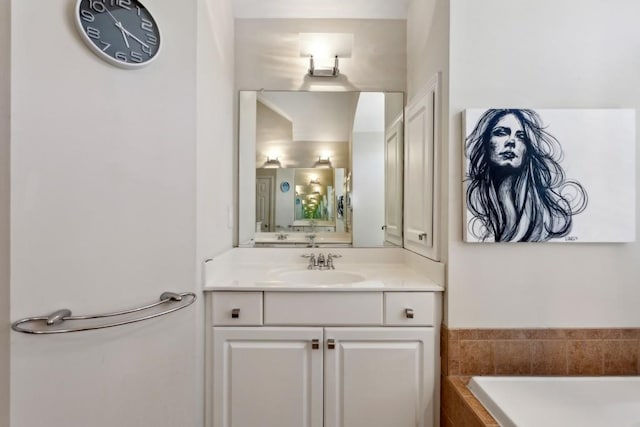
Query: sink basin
point(319, 277)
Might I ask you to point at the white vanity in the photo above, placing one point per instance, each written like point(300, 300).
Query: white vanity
point(353, 346)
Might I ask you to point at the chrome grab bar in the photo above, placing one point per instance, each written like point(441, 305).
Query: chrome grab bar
point(51, 324)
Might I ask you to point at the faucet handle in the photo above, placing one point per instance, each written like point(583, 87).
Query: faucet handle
point(307, 256)
point(334, 255)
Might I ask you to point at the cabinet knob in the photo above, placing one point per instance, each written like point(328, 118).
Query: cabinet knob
point(235, 313)
point(422, 236)
point(331, 344)
point(315, 344)
point(409, 313)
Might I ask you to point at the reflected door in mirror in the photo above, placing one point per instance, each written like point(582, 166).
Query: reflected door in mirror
point(264, 203)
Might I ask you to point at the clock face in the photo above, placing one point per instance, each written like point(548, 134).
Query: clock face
point(122, 32)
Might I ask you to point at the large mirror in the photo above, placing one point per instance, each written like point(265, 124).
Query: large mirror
point(320, 169)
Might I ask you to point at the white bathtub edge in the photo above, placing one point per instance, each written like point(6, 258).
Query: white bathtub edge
point(489, 404)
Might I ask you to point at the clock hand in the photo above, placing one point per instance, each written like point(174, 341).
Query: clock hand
point(124, 36)
point(111, 15)
point(124, 33)
point(132, 36)
point(119, 25)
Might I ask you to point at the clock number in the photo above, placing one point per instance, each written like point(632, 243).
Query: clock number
point(152, 39)
point(146, 25)
point(146, 50)
point(106, 45)
point(136, 56)
point(121, 3)
point(121, 56)
point(139, 10)
point(93, 32)
point(87, 16)
point(96, 5)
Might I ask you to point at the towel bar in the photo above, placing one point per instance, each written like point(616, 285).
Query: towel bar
point(53, 323)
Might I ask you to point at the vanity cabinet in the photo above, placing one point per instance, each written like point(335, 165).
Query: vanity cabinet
point(323, 359)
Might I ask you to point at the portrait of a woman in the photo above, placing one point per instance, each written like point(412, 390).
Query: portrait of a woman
point(516, 188)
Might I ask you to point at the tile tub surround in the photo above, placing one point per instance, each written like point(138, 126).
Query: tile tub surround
point(460, 408)
point(564, 352)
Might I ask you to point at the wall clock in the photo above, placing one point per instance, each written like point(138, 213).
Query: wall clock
point(284, 186)
point(122, 32)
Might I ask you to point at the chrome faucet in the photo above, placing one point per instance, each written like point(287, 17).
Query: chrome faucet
point(330, 261)
point(320, 262)
point(330, 258)
point(313, 262)
point(312, 240)
point(282, 236)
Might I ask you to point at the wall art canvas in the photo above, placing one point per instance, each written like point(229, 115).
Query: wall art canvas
point(549, 175)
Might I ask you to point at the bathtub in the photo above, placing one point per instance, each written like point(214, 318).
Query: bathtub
point(560, 401)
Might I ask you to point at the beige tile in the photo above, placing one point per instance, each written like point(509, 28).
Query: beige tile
point(445, 400)
point(620, 357)
point(587, 334)
point(476, 358)
point(453, 348)
point(629, 333)
point(453, 334)
point(468, 334)
point(464, 405)
point(547, 334)
point(454, 367)
point(502, 334)
point(446, 422)
point(512, 357)
point(585, 357)
point(549, 357)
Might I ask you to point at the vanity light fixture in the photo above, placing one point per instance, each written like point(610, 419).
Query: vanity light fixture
point(323, 163)
point(314, 181)
point(272, 163)
point(325, 46)
point(324, 71)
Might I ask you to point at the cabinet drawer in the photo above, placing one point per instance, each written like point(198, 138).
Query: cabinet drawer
point(236, 308)
point(401, 306)
point(323, 308)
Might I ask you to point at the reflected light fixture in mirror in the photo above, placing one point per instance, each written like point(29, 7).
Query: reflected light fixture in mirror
point(325, 46)
point(323, 163)
point(272, 163)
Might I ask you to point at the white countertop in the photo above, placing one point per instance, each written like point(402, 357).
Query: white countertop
point(265, 269)
point(302, 237)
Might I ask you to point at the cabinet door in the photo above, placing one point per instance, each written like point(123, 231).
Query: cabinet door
point(267, 377)
point(393, 183)
point(421, 210)
point(380, 377)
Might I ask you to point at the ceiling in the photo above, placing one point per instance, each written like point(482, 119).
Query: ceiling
point(321, 9)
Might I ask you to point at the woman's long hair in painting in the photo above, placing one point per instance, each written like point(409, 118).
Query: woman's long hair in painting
point(540, 201)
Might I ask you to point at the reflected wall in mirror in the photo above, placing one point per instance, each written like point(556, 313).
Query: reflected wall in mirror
point(320, 168)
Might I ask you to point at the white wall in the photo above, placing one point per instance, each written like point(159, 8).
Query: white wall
point(215, 215)
point(104, 217)
point(285, 201)
point(215, 97)
point(5, 33)
point(543, 54)
point(267, 55)
point(427, 55)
